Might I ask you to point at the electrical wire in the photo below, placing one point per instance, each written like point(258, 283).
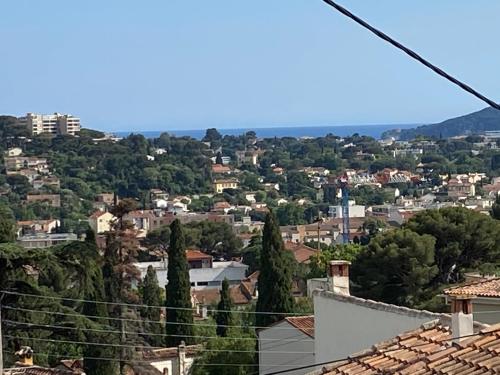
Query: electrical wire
point(412, 54)
point(150, 306)
point(139, 320)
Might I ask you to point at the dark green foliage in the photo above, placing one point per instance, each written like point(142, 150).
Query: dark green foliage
point(275, 278)
point(465, 240)
point(237, 356)
point(178, 295)
point(395, 267)
point(218, 158)
point(224, 315)
point(7, 228)
point(251, 254)
point(90, 236)
point(476, 122)
point(151, 296)
point(290, 214)
point(495, 209)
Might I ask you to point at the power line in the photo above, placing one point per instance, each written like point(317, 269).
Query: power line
point(129, 360)
point(140, 320)
point(413, 54)
point(34, 325)
point(149, 306)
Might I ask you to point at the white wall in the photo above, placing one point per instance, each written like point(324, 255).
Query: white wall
point(345, 325)
point(268, 349)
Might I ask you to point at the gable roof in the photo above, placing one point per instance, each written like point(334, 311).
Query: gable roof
point(483, 288)
point(427, 350)
point(301, 252)
point(36, 370)
point(303, 323)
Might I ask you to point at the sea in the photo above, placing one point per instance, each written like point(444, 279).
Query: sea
point(374, 131)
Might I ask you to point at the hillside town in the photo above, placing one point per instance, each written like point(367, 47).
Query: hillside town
point(264, 243)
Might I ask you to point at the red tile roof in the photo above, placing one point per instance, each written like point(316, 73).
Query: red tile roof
point(301, 252)
point(427, 350)
point(303, 323)
point(36, 370)
point(483, 288)
point(196, 255)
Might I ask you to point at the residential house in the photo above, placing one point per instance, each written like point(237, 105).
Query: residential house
point(221, 185)
point(247, 157)
point(286, 345)
point(328, 232)
point(431, 348)
point(361, 322)
point(485, 295)
point(171, 361)
point(30, 174)
point(203, 272)
point(225, 160)
point(141, 220)
point(460, 189)
point(16, 163)
point(221, 169)
point(42, 240)
point(24, 365)
point(101, 221)
point(54, 200)
point(241, 294)
point(223, 206)
point(107, 198)
point(37, 226)
point(42, 181)
point(155, 194)
point(302, 253)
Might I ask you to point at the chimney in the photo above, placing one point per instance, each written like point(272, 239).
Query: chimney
point(181, 352)
point(462, 320)
point(25, 355)
point(338, 277)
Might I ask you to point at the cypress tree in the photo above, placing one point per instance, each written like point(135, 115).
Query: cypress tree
point(218, 158)
point(90, 236)
point(152, 297)
point(275, 278)
point(178, 290)
point(224, 315)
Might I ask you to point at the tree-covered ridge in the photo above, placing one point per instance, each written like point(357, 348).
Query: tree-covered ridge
point(473, 123)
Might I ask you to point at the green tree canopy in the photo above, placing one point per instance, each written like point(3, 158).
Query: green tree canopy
point(395, 267)
point(178, 290)
point(275, 278)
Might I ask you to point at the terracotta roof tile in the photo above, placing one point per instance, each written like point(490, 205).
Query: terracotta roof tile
point(303, 323)
point(301, 252)
point(196, 255)
point(483, 288)
point(427, 350)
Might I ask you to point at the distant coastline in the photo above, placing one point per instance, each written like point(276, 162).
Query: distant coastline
point(374, 131)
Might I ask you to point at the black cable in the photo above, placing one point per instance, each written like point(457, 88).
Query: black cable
point(413, 54)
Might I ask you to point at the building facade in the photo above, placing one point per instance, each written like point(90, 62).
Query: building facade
point(56, 124)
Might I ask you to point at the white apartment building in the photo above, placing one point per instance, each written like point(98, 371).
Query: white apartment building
point(50, 124)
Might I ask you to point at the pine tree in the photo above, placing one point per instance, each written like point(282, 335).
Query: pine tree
point(224, 315)
point(275, 278)
point(178, 290)
point(152, 297)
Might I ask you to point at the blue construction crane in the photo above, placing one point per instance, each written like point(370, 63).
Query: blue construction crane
point(345, 210)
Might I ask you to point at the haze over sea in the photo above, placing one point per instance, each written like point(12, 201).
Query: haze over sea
point(374, 131)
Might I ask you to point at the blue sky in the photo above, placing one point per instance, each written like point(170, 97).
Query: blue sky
point(178, 64)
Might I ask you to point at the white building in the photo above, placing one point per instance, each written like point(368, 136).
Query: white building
point(355, 210)
point(288, 342)
point(50, 124)
point(200, 278)
point(172, 361)
point(345, 324)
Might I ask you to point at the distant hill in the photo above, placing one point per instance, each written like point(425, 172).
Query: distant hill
point(473, 123)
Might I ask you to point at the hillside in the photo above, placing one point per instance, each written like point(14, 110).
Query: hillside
point(473, 123)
